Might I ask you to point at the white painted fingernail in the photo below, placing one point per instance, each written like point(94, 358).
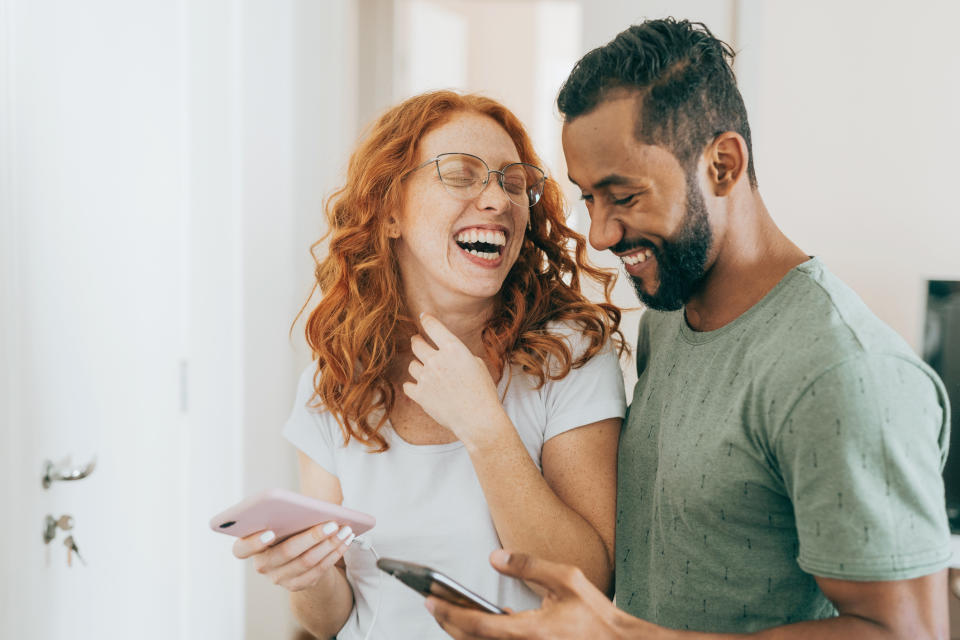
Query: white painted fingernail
point(267, 536)
point(329, 528)
point(343, 533)
point(350, 539)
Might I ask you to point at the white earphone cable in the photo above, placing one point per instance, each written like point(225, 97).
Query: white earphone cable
point(365, 544)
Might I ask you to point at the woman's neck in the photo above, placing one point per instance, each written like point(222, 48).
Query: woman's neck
point(464, 319)
point(466, 324)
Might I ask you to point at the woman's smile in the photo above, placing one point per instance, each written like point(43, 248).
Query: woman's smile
point(482, 245)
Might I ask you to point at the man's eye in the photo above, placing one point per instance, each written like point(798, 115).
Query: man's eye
point(586, 198)
point(623, 202)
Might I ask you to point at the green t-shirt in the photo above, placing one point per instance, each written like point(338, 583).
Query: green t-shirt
point(803, 439)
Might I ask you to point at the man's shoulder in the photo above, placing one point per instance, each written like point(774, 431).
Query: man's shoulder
point(825, 332)
point(816, 322)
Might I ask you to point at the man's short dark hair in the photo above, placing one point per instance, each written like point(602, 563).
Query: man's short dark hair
point(688, 91)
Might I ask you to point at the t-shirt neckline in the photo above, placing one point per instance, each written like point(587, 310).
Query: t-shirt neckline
point(395, 439)
point(703, 337)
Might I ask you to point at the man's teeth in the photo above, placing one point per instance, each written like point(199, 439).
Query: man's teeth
point(482, 235)
point(637, 258)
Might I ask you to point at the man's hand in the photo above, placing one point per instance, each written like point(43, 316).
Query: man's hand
point(573, 608)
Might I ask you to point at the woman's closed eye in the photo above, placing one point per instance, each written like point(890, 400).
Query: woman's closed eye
point(459, 178)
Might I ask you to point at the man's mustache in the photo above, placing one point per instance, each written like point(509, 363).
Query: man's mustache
point(627, 244)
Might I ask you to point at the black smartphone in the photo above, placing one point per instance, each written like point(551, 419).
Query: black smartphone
point(428, 582)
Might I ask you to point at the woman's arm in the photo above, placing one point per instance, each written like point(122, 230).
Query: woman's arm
point(323, 609)
point(308, 564)
point(566, 514)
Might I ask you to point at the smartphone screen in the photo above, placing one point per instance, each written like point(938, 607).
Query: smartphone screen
point(429, 582)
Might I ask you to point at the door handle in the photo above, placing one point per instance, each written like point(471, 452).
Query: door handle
point(64, 472)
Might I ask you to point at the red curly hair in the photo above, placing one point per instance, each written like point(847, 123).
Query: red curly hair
point(362, 324)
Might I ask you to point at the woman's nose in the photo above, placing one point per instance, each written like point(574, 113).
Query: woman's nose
point(493, 196)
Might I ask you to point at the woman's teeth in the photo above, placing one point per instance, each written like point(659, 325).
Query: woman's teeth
point(637, 258)
point(470, 236)
point(483, 243)
point(483, 254)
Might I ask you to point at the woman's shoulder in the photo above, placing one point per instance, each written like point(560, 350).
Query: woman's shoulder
point(305, 383)
point(577, 339)
point(573, 396)
point(308, 405)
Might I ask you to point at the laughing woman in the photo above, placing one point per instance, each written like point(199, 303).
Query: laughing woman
point(464, 391)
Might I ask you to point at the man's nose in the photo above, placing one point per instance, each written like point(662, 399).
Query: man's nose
point(605, 230)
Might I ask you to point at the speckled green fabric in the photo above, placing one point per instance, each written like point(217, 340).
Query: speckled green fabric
point(803, 439)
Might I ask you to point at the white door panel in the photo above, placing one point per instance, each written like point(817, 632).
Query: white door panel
point(162, 165)
point(96, 223)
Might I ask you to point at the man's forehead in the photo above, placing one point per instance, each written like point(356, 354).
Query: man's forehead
point(613, 116)
point(596, 163)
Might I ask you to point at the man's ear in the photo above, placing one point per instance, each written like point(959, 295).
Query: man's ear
point(727, 159)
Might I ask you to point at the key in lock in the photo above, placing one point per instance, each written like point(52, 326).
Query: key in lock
point(51, 524)
point(71, 546)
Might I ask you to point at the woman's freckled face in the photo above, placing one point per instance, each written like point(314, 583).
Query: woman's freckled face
point(433, 220)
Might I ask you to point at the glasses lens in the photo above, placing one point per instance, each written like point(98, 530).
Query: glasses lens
point(523, 184)
point(462, 175)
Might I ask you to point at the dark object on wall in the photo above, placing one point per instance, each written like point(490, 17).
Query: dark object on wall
point(941, 350)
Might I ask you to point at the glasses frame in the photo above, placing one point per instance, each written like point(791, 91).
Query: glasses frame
point(501, 174)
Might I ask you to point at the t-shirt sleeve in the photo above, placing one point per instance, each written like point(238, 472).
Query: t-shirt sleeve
point(313, 431)
point(588, 394)
point(861, 454)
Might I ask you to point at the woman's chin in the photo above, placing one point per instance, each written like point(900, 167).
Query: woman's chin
point(483, 292)
point(479, 287)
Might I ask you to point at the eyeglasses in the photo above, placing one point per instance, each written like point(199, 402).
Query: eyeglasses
point(465, 176)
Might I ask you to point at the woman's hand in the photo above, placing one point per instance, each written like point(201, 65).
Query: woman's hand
point(299, 562)
point(452, 385)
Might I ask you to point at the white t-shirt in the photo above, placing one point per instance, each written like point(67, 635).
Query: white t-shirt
point(429, 505)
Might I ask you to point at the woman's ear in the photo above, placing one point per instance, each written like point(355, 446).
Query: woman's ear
point(727, 159)
point(393, 227)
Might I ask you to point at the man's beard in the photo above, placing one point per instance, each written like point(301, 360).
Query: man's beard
point(681, 259)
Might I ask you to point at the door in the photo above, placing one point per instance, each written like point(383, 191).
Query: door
point(99, 132)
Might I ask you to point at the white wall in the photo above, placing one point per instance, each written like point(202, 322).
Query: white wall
point(854, 108)
point(214, 442)
point(604, 19)
point(298, 95)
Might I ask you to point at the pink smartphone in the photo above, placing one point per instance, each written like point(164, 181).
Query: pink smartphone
point(285, 513)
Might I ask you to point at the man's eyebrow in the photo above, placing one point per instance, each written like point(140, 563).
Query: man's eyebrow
point(614, 179)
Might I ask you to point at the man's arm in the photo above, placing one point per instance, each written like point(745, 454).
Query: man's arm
point(913, 609)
